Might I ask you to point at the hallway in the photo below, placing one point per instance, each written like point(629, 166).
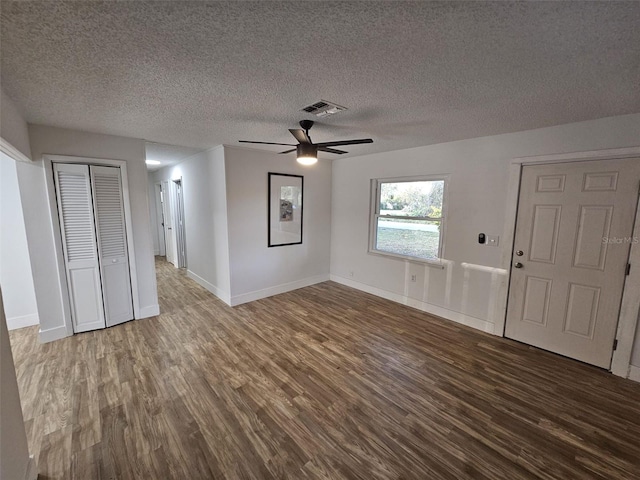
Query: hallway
point(324, 382)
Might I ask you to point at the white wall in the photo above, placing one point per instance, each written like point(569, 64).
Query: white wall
point(39, 224)
point(258, 271)
point(225, 202)
point(205, 210)
point(14, 452)
point(15, 265)
point(13, 127)
point(468, 289)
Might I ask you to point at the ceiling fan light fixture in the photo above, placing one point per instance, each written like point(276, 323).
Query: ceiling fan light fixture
point(306, 154)
point(307, 160)
point(306, 150)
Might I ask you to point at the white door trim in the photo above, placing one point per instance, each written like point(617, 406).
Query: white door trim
point(162, 244)
point(48, 161)
point(628, 319)
point(178, 227)
point(167, 205)
point(13, 152)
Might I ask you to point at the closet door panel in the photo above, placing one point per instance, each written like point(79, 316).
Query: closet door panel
point(75, 211)
point(112, 244)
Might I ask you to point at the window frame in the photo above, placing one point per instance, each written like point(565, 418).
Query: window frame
point(375, 215)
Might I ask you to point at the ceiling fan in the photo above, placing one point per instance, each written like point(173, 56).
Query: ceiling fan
point(306, 150)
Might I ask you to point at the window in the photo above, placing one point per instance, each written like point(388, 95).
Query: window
point(407, 220)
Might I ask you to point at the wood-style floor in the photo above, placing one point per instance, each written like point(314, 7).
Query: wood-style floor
point(324, 382)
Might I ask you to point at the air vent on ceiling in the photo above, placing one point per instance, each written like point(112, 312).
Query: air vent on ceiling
point(323, 109)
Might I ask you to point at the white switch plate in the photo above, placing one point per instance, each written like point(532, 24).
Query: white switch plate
point(493, 240)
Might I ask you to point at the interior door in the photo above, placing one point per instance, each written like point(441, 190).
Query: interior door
point(572, 241)
point(73, 192)
point(168, 222)
point(160, 218)
point(112, 244)
point(179, 225)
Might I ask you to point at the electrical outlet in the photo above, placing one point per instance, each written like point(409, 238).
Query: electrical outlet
point(413, 278)
point(493, 240)
point(351, 273)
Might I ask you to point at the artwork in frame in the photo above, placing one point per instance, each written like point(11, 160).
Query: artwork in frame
point(285, 209)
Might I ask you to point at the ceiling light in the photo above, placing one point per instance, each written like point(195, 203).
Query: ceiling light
point(152, 162)
point(307, 160)
point(306, 153)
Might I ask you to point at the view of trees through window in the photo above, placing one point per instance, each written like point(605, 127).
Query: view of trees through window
point(409, 218)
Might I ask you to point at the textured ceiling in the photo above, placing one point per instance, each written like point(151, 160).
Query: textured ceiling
point(200, 74)
point(167, 154)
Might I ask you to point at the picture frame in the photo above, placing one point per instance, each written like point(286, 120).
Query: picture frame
point(285, 209)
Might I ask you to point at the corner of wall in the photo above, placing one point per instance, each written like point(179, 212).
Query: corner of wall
point(218, 292)
point(14, 448)
point(14, 131)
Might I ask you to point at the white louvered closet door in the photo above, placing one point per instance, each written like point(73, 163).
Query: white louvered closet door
point(108, 208)
point(73, 191)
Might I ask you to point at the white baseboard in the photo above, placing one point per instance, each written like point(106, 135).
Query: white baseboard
point(32, 469)
point(149, 311)
point(221, 294)
point(14, 323)
point(51, 334)
point(634, 373)
point(277, 289)
point(445, 313)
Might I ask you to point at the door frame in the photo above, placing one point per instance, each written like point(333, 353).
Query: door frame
point(178, 213)
point(162, 241)
point(48, 161)
point(167, 205)
point(630, 305)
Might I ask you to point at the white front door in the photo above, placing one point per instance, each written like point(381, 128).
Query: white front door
point(572, 241)
point(73, 191)
point(108, 207)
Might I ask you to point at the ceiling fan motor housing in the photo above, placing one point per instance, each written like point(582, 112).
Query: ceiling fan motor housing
point(306, 150)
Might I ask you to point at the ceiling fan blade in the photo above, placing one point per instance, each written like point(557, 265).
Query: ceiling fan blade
point(288, 151)
point(331, 150)
point(300, 135)
point(267, 143)
point(344, 142)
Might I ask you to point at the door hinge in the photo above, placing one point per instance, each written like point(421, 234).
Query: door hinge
point(615, 344)
point(628, 270)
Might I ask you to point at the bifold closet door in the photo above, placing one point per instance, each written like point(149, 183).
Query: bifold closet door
point(112, 244)
point(75, 210)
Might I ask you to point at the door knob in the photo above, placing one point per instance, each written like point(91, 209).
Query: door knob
point(519, 253)
point(518, 265)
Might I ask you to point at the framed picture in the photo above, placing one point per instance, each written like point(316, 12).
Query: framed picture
point(285, 209)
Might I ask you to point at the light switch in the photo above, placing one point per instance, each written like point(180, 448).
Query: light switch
point(493, 240)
